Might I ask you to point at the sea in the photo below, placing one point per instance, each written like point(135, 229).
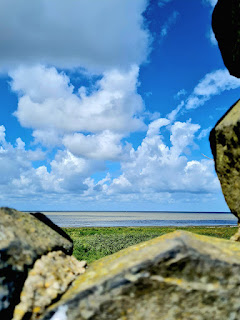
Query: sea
point(139, 218)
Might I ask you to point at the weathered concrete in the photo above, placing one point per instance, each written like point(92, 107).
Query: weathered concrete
point(23, 239)
point(176, 276)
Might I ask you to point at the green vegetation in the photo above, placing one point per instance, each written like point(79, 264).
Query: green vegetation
point(94, 243)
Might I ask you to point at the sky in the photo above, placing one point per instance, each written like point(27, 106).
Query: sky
point(107, 105)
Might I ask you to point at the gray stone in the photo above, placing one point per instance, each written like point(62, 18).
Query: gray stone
point(225, 145)
point(226, 26)
point(23, 239)
point(176, 276)
point(49, 278)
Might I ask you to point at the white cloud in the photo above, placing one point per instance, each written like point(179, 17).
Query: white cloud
point(155, 126)
point(210, 34)
point(90, 125)
point(68, 173)
point(212, 38)
point(15, 161)
point(103, 146)
point(181, 93)
point(173, 114)
point(212, 3)
point(2, 134)
point(182, 135)
point(40, 83)
point(214, 83)
point(20, 144)
point(47, 137)
point(154, 171)
point(91, 34)
point(157, 168)
point(194, 102)
point(169, 23)
point(18, 177)
point(115, 105)
point(204, 133)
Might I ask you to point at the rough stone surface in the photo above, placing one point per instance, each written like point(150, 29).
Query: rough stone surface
point(46, 282)
point(23, 239)
point(176, 276)
point(226, 26)
point(225, 145)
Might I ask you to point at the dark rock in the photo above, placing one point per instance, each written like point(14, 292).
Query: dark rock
point(176, 276)
point(40, 216)
point(226, 26)
point(225, 145)
point(23, 239)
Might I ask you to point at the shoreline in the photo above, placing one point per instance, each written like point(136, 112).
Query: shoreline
point(141, 219)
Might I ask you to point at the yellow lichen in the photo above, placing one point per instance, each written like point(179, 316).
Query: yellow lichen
point(36, 309)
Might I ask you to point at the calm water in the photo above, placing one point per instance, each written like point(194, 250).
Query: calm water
point(140, 219)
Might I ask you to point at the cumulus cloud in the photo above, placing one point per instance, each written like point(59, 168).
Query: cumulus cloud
point(156, 167)
point(103, 146)
point(66, 173)
point(91, 127)
point(15, 161)
point(95, 35)
point(155, 126)
point(48, 138)
point(115, 104)
point(90, 124)
point(154, 171)
point(40, 83)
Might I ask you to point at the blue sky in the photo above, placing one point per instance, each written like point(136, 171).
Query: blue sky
point(108, 105)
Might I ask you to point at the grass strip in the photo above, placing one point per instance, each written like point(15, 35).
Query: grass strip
point(91, 244)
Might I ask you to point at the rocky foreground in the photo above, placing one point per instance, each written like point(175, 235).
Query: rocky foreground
point(176, 276)
point(32, 250)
